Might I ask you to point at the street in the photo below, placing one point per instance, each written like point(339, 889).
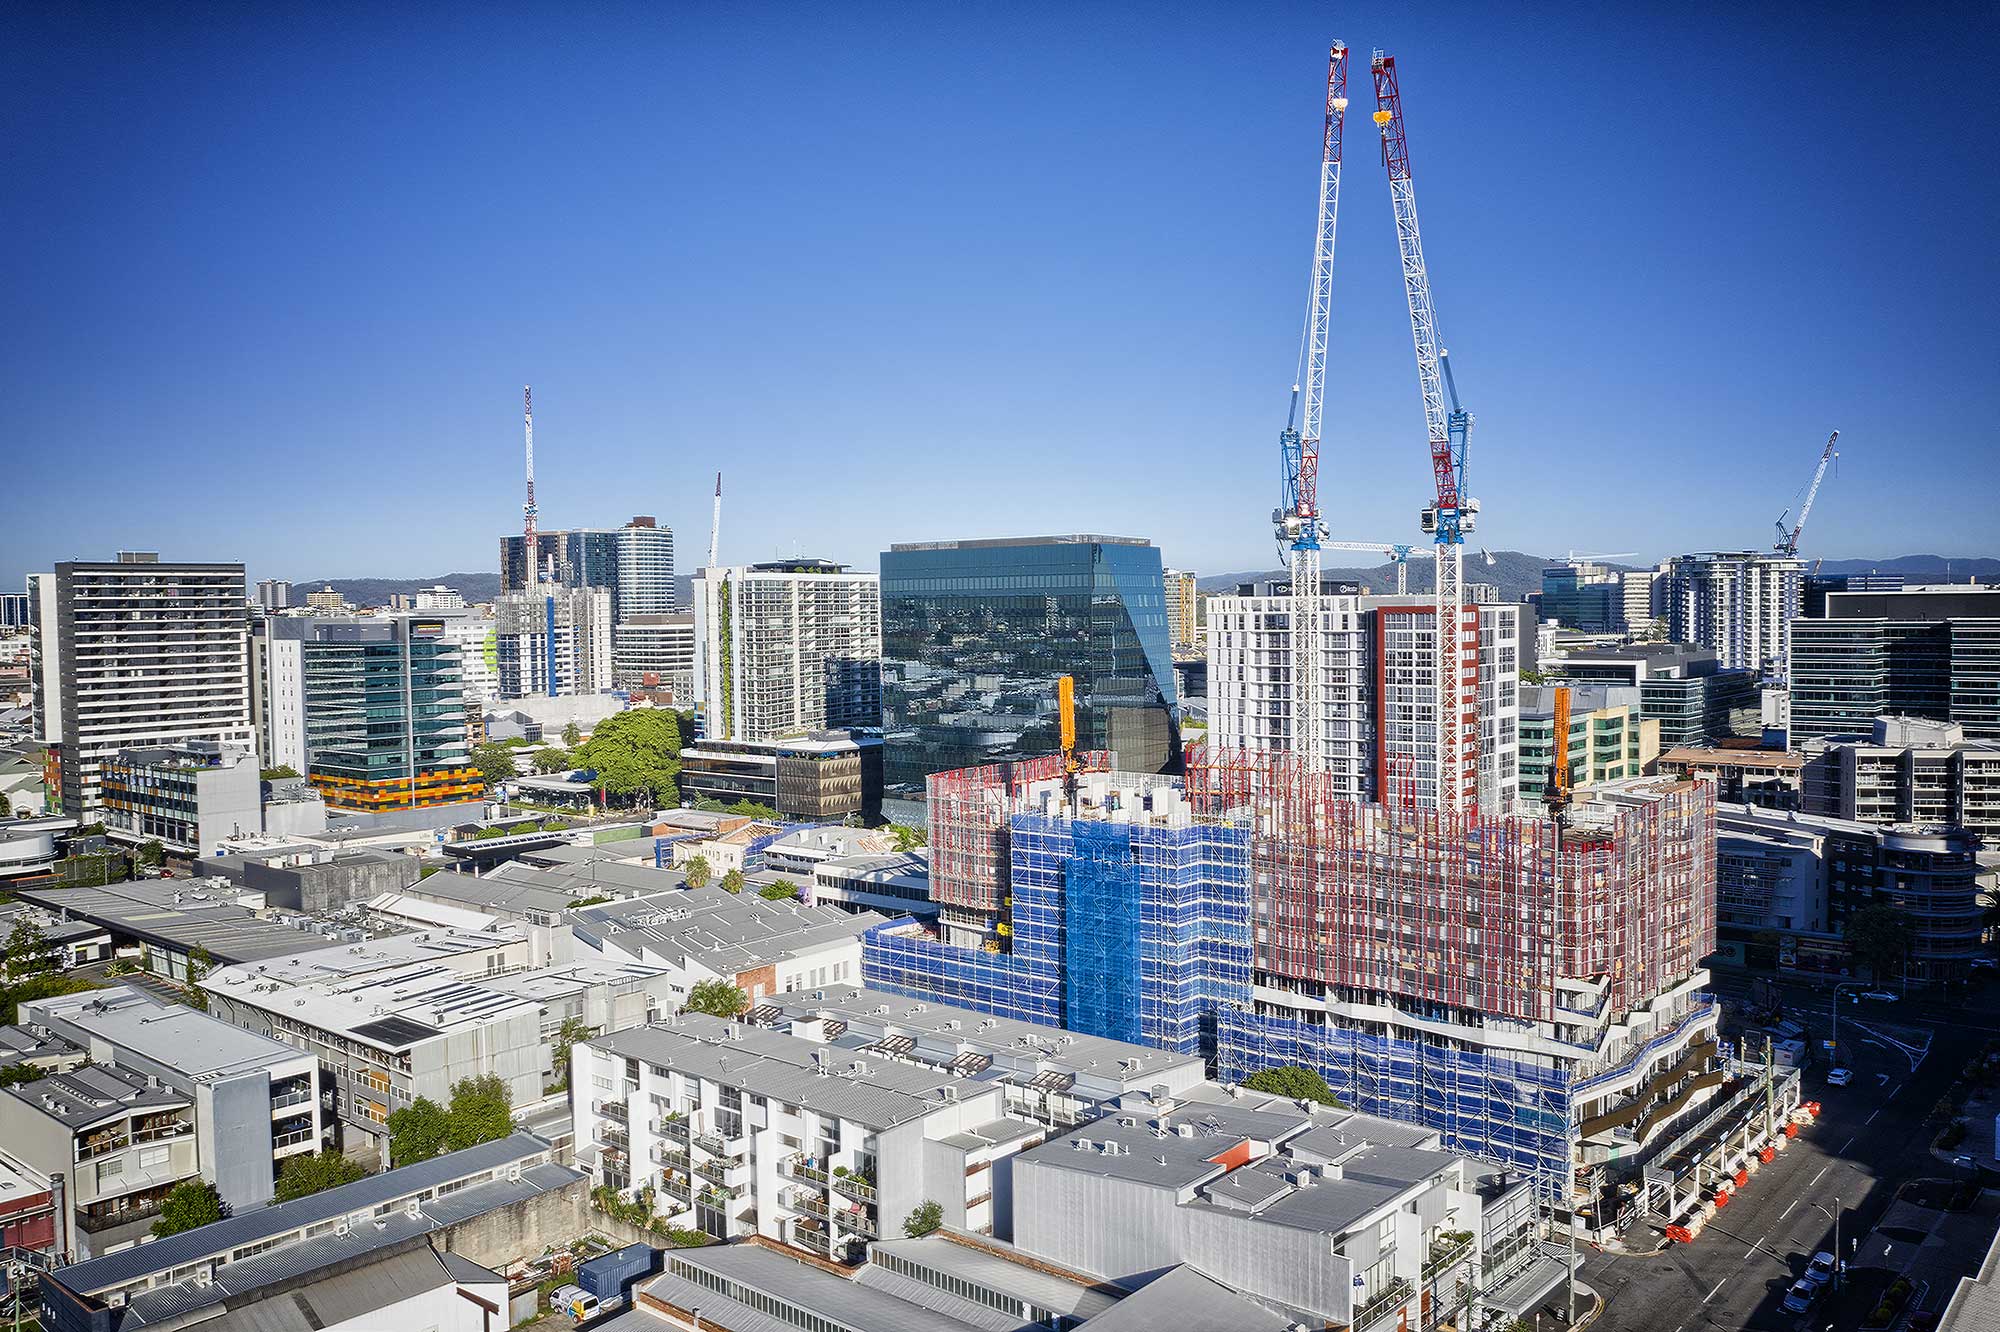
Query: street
point(1869, 1141)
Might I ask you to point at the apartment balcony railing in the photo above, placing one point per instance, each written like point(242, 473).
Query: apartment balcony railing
point(289, 1139)
point(1398, 1291)
point(94, 1222)
point(1444, 1253)
point(797, 1168)
point(299, 1097)
point(92, 1148)
point(611, 1109)
point(709, 1143)
point(718, 1196)
point(813, 1241)
point(812, 1204)
point(854, 1186)
point(718, 1171)
point(673, 1128)
point(859, 1220)
point(677, 1188)
point(670, 1156)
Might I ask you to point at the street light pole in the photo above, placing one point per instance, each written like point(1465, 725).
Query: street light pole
point(1835, 1036)
point(1839, 1263)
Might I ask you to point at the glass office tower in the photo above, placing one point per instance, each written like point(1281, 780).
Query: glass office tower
point(975, 633)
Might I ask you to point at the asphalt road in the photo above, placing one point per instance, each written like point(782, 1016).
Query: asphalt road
point(1867, 1143)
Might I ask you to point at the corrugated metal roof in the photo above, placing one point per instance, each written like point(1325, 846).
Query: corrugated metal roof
point(129, 1265)
point(1187, 1301)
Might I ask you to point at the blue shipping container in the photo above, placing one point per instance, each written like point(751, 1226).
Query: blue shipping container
point(613, 1273)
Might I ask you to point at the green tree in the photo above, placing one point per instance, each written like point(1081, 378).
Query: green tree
point(732, 882)
point(301, 1175)
point(568, 1035)
point(284, 772)
point(708, 805)
point(200, 963)
point(572, 736)
point(927, 1216)
point(152, 853)
point(908, 839)
point(495, 763)
point(1294, 1081)
point(1879, 937)
point(38, 987)
point(418, 1131)
point(778, 892)
point(697, 871)
point(481, 1111)
point(28, 952)
point(16, 1074)
point(551, 759)
point(636, 755)
point(751, 809)
point(191, 1203)
point(719, 998)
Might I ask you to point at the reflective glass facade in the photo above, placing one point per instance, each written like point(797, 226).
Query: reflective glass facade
point(975, 634)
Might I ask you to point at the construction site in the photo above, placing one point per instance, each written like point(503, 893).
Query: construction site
point(1355, 885)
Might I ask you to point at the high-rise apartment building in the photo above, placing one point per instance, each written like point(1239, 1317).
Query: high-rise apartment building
point(370, 708)
point(1682, 688)
point(976, 633)
point(1905, 770)
point(557, 643)
point(1930, 652)
point(635, 563)
point(788, 647)
point(1637, 588)
point(655, 652)
point(478, 653)
point(1183, 613)
point(1738, 604)
point(273, 594)
point(326, 601)
point(1581, 595)
point(136, 653)
point(1377, 687)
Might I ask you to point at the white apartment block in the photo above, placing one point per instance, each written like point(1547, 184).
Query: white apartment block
point(737, 1130)
point(581, 655)
point(645, 570)
point(655, 652)
point(1376, 684)
point(1738, 604)
point(786, 648)
point(134, 653)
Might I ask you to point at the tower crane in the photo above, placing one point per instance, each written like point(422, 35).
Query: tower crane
point(1788, 540)
point(1298, 524)
point(1453, 513)
point(1396, 552)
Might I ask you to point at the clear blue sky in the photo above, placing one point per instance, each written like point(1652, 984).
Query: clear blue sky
point(274, 279)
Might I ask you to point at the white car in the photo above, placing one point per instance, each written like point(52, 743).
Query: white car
point(1820, 1270)
point(1839, 1077)
point(1883, 996)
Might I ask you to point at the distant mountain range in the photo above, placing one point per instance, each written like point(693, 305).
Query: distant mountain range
point(474, 587)
point(1517, 574)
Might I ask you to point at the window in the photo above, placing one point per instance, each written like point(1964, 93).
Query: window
point(153, 1158)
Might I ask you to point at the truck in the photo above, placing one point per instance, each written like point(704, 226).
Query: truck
point(605, 1282)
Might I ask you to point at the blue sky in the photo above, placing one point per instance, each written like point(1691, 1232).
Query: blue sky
point(907, 272)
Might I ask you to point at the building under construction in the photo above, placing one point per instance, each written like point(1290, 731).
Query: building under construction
point(1530, 991)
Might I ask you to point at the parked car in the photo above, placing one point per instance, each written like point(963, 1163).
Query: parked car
point(1985, 964)
point(1885, 996)
point(1820, 1270)
point(1799, 1299)
point(1839, 1077)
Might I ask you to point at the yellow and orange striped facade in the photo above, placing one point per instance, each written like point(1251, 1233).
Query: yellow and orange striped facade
point(445, 786)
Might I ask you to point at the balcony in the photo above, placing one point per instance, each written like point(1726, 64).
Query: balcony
point(665, 1155)
point(854, 1186)
point(718, 1171)
point(673, 1127)
point(813, 1240)
point(283, 1100)
point(797, 1168)
point(678, 1188)
point(812, 1204)
point(860, 1220)
point(283, 1140)
point(709, 1143)
point(1398, 1291)
point(610, 1109)
point(716, 1197)
point(1446, 1250)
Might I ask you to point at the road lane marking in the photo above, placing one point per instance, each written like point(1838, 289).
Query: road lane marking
point(1718, 1286)
point(1788, 1209)
point(1816, 1178)
point(1842, 1149)
point(1871, 1116)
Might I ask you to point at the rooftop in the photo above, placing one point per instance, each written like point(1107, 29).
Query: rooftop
point(1188, 1301)
point(93, 1094)
point(1735, 758)
point(179, 914)
point(491, 1163)
point(993, 543)
point(309, 1301)
point(876, 1093)
point(727, 933)
point(847, 1301)
point(172, 1035)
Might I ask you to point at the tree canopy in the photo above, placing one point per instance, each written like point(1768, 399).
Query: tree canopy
point(907, 839)
point(495, 763)
point(190, 1203)
point(1879, 937)
point(284, 772)
point(635, 753)
point(1295, 1081)
point(481, 1111)
point(552, 759)
point(568, 1035)
point(697, 872)
point(732, 882)
point(927, 1216)
point(778, 892)
point(752, 809)
point(28, 952)
point(417, 1132)
point(720, 998)
point(572, 736)
point(301, 1175)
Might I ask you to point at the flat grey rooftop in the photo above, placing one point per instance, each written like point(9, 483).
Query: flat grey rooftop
point(1187, 1301)
point(94, 1094)
point(842, 1299)
point(880, 1094)
point(172, 1035)
point(179, 914)
point(985, 1262)
point(725, 932)
point(350, 1294)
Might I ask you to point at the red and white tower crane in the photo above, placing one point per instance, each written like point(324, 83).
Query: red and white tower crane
point(1298, 524)
point(1453, 512)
